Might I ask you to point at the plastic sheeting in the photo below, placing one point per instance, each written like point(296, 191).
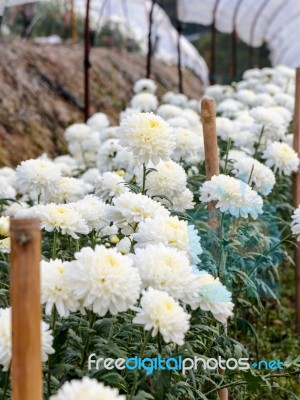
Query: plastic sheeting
point(275, 22)
point(132, 16)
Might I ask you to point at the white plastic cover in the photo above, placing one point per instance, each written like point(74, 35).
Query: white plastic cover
point(276, 22)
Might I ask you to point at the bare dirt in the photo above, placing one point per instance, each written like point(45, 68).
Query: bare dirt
point(41, 92)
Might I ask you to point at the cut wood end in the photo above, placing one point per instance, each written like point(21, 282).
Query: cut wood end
point(17, 224)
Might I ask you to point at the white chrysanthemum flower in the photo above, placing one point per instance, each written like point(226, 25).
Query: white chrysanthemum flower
point(183, 201)
point(111, 132)
point(272, 123)
point(219, 92)
point(188, 143)
point(144, 102)
point(179, 122)
point(77, 133)
point(161, 313)
point(5, 339)
point(168, 179)
point(124, 245)
point(63, 219)
point(168, 111)
point(230, 107)
point(104, 280)
point(67, 164)
point(296, 223)
point(93, 211)
point(10, 176)
point(245, 96)
point(284, 113)
point(245, 140)
point(176, 99)
point(55, 289)
point(168, 269)
point(255, 173)
point(37, 178)
point(107, 153)
point(90, 176)
point(145, 85)
point(4, 227)
point(86, 389)
point(130, 208)
point(110, 185)
point(214, 297)
point(263, 100)
point(5, 245)
point(148, 136)
point(281, 157)
point(85, 151)
point(167, 230)
point(232, 196)
point(6, 191)
point(285, 100)
point(225, 128)
point(68, 190)
point(194, 104)
point(194, 119)
point(252, 73)
point(98, 121)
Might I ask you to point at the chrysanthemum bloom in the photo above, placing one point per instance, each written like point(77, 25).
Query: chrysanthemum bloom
point(5, 339)
point(167, 111)
point(134, 208)
point(110, 185)
point(273, 125)
point(77, 133)
point(282, 158)
point(219, 92)
point(62, 218)
point(86, 389)
point(68, 190)
point(55, 290)
point(145, 85)
point(98, 121)
point(124, 245)
point(104, 280)
point(169, 179)
point(37, 178)
point(161, 313)
point(144, 102)
point(107, 154)
point(188, 143)
point(5, 245)
point(182, 202)
point(214, 297)
point(93, 211)
point(232, 196)
point(6, 191)
point(296, 223)
point(168, 269)
point(260, 176)
point(230, 107)
point(225, 127)
point(4, 227)
point(148, 136)
point(167, 230)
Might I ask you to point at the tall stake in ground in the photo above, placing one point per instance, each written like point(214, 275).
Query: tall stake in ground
point(150, 45)
point(87, 64)
point(296, 196)
point(212, 167)
point(26, 309)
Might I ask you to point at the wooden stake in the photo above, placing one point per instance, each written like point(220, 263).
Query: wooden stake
point(26, 309)
point(296, 196)
point(150, 49)
point(212, 167)
point(87, 64)
point(73, 22)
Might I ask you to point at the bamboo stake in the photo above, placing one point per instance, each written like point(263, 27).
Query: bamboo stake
point(26, 309)
point(212, 167)
point(296, 196)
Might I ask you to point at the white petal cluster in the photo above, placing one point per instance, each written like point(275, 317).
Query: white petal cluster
point(148, 137)
point(255, 173)
point(55, 289)
point(110, 185)
point(145, 85)
point(161, 313)
point(296, 223)
point(144, 102)
point(165, 268)
point(5, 339)
point(93, 211)
point(232, 196)
point(104, 280)
point(4, 227)
point(281, 157)
point(86, 389)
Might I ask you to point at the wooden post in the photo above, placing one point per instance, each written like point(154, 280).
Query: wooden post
point(87, 65)
point(296, 195)
point(149, 55)
point(212, 167)
point(73, 22)
point(26, 309)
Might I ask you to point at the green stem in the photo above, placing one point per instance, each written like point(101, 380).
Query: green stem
point(54, 249)
point(226, 386)
point(77, 247)
point(86, 346)
point(50, 359)
point(136, 372)
point(6, 384)
point(259, 141)
point(144, 179)
point(159, 343)
point(227, 153)
point(111, 329)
